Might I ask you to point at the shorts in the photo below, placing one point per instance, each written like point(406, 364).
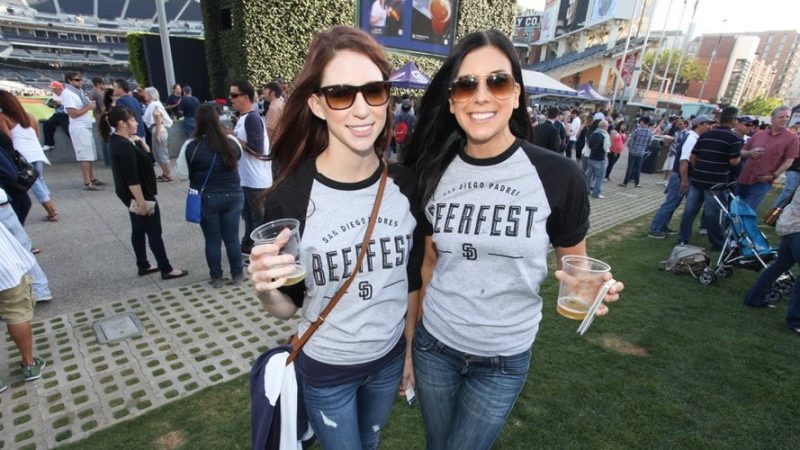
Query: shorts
point(16, 304)
point(83, 142)
point(161, 151)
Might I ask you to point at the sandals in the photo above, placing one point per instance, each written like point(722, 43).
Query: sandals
point(51, 218)
point(164, 178)
point(92, 187)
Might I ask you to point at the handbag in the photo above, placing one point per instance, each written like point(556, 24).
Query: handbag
point(194, 204)
point(772, 216)
point(269, 424)
point(26, 174)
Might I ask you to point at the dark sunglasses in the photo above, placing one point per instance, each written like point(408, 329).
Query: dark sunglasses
point(77, 79)
point(342, 96)
point(499, 84)
point(234, 95)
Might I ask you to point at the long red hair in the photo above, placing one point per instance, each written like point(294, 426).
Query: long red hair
point(13, 109)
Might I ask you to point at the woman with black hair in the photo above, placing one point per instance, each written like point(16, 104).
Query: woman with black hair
point(333, 131)
point(494, 203)
point(135, 185)
point(211, 158)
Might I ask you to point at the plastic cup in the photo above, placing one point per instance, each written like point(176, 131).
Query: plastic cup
point(579, 289)
point(286, 234)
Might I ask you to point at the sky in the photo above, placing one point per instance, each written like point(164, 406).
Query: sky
point(720, 16)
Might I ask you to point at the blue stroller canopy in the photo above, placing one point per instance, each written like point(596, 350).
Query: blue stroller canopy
point(744, 224)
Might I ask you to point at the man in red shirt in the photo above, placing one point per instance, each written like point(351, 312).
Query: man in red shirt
point(768, 154)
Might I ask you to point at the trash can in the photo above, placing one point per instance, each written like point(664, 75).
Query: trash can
point(657, 154)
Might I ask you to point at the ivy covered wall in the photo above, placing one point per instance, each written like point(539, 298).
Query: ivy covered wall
point(269, 39)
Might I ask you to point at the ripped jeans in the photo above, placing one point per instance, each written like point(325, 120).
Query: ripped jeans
point(351, 415)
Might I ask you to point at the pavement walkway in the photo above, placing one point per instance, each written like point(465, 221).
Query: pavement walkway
point(194, 335)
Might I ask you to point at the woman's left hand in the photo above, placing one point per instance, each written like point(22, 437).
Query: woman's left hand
point(611, 296)
point(408, 376)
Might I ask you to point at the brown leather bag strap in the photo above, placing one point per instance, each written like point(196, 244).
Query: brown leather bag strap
point(373, 218)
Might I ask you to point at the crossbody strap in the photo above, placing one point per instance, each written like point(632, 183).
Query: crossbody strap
point(208, 174)
point(376, 206)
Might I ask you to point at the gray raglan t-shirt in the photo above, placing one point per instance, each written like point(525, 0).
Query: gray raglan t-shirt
point(370, 319)
point(492, 221)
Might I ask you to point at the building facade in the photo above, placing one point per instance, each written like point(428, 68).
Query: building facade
point(781, 49)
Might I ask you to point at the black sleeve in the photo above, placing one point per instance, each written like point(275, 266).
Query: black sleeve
point(554, 143)
point(565, 188)
point(254, 129)
point(127, 163)
point(290, 200)
point(406, 181)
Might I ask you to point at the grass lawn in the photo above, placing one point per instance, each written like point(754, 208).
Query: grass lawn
point(674, 365)
point(36, 106)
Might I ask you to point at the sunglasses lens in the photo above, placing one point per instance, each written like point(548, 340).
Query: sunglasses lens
point(339, 97)
point(376, 94)
point(463, 88)
point(501, 85)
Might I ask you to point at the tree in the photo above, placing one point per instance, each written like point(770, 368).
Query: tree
point(760, 106)
point(691, 70)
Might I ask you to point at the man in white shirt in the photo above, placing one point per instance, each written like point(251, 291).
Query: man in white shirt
point(255, 171)
point(678, 184)
point(80, 109)
point(575, 128)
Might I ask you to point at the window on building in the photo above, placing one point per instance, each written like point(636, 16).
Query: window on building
point(783, 38)
point(770, 38)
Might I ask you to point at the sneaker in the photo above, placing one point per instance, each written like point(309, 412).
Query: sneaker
point(3, 386)
point(216, 283)
point(637, 185)
point(599, 196)
point(657, 235)
point(33, 371)
point(669, 231)
point(47, 148)
point(238, 278)
point(44, 298)
point(622, 185)
point(703, 231)
point(796, 330)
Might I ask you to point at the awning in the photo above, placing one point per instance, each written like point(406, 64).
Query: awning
point(537, 83)
point(409, 76)
point(586, 90)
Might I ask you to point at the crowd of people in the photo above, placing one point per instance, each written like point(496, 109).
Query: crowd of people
point(467, 179)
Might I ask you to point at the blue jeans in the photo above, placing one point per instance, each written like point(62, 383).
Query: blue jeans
point(40, 286)
point(146, 229)
point(753, 194)
point(634, 169)
point(788, 255)
point(252, 213)
point(792, 181)
point(220, 223)
point(595, 172)
point(351, 415)
point(188, 126)
point(671, 202)
point(694, 199)
point(465, 399)
point(39, 188)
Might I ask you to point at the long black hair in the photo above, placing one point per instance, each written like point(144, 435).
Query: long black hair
point(111, 118)
point(438, 137)
point(209, 128)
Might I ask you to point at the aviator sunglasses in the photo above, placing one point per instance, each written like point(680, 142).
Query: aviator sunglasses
point(499, 84)
point(342, 96)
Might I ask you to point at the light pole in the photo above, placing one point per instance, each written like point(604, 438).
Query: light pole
point(166, 50)
point(710, 62)
point(624, 58)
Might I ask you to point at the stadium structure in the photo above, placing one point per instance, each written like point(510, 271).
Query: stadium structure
point(41, 39)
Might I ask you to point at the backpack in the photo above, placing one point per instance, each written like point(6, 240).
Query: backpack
point(401, 132)
point(686, 258)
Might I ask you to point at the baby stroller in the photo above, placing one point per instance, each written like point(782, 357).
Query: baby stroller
point(745, 247)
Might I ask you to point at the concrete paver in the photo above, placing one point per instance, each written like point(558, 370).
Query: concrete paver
point(194, 336)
